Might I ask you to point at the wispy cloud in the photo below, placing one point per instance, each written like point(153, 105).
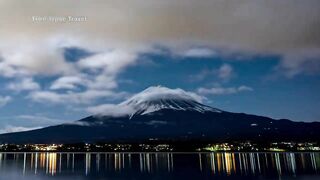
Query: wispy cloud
point(4, 100)
point(11, 129)
point(224, 73)
point(300, 62)
point(85, 97)
point(68, 82)
point(218, 90)
point(27, 84)
point(39, 119)
point(115, 110)
point(198, 53)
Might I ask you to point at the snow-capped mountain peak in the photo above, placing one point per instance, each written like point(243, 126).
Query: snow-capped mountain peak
point(159, 92)
point(152, 99)
point(156, 98)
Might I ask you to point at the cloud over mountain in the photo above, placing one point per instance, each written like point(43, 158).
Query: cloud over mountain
point(149, 100)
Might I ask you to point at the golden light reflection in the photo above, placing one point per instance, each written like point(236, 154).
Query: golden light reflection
point(42, 160)
point(228, 163)
point(234, 163)
point(217, 163)
point(257, 163)
point(52, 163)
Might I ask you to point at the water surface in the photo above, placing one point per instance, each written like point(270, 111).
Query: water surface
point(34, 166)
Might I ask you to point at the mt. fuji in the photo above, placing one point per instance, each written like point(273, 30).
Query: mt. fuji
point(164, 114)
point(158, 98)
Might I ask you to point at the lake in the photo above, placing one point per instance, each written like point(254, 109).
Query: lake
point(117, 166)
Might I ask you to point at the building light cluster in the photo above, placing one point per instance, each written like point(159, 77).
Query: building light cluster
point(156, 147)
point(294, 146)
point(276, 146)
point(46, 147)
point(246, 146)
point(162, 147)
point(30, 147)
point(219, 147)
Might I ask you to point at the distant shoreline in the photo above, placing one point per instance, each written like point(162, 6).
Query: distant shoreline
point(152, 152)
point(164, 147)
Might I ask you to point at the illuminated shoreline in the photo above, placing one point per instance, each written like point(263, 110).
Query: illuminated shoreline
point(170, 147)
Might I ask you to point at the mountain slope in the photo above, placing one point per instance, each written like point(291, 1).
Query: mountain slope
point(169, 115)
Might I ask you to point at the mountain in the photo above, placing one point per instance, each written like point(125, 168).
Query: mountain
point(164, 114)
point(159, 98)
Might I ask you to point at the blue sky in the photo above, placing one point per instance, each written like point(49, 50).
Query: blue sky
point(254, 57)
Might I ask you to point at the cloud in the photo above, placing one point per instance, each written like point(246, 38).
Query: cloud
point(300, 62)
point(98, 81)
point(4, 100)
point(202, 75)
point(111, 61)
point(160, 92)
point(47, 96)
point(67, 82)
point(79, 123)
point(96, 75)
point(70, 97)
point(11, 129)
point(109, 64)
point(33, 58)
point(245, 88)
point(225, 72)
point(103, 81)
point(256, 25)
point(98, 71)
point(31, 120)
point(39, 119)
point(262, 27)
point(7, 70)
point(198, 53)
point(223, 91)
point(115, 110)
point(24, 84)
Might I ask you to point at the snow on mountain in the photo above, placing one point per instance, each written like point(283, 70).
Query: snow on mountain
point(156, 98)
point(159, 92)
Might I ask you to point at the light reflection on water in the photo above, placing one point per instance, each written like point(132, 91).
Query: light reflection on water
point(258, 163)
point(134, 164)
